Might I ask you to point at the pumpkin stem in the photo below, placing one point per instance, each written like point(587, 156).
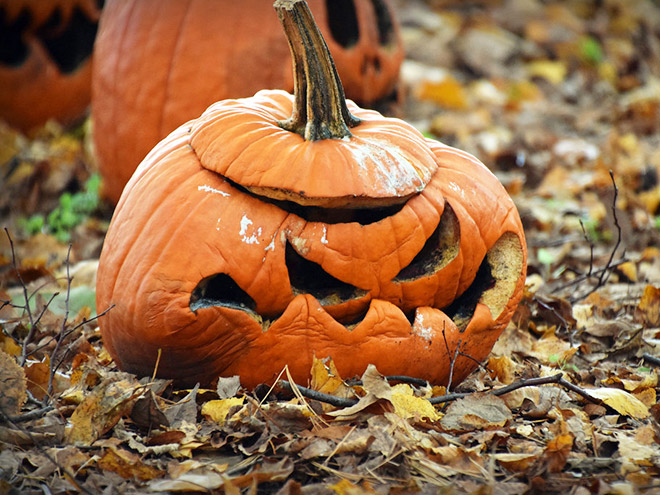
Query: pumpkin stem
point(319, 107)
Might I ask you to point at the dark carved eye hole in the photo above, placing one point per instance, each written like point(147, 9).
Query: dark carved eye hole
point(384, 20)
point(343, 23)
point(220, 290)
point(69, 46)
point(13, 51)
point(440, 248)
point(307, 277)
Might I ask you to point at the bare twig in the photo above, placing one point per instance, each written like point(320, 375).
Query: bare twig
point(526, 382)
point(32, 330)
point(29, 416)
point(603, 274)
point(651, 359)
point(61, 336)
point(333, 400)
point(591, 250)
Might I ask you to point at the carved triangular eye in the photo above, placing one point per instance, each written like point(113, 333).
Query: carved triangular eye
point(440, 248)
point(307, 277)
point(220, 290)
point(70, 45)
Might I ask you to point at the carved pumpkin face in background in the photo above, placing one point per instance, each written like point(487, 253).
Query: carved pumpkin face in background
point(166, 61)
point(246, 242)
point(45, 60)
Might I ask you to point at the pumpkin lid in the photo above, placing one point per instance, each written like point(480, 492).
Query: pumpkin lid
point(313, 147)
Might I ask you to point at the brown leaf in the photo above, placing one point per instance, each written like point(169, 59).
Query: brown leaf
point(12, 385)
point(101, 410)
point(556, 452)
point(37, 373)
point(127, 465)
point(648, 309)
point(476, 411)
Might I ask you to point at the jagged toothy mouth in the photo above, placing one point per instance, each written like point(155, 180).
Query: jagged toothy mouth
point(493, 285)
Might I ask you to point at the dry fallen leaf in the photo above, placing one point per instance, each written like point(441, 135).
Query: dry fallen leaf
point(12, 385)
point(127, 465)
point(101, 410)
point(621, 401)
point(217, 410)
point(648, 309)
point(476, 411)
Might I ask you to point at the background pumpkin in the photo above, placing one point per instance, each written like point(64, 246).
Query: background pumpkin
point(219, 262)
point(161, 63)
point(45, 60)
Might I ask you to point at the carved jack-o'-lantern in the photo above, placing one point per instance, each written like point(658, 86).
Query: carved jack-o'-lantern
point(160, 63)
point(45, 60)
point(247, 241)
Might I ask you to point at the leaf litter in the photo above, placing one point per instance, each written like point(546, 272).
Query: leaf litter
point(562, 101)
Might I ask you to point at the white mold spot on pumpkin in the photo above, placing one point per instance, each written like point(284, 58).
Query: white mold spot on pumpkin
point(253, 237)
point(393, 169)
point(212, 190)
point(324, 237)
point(419, 329)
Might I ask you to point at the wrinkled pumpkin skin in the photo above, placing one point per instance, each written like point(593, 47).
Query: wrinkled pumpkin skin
point(46, 60)
point(178, 222)
point(160, 63)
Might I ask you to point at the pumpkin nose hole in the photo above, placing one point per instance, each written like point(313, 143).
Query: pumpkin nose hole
point(440, 248)
point(307, 277)
point(13, 51)
point(343, 23)
point(71, 44)
point(220, 290)
point(383, 22)
point(494, 284)
point(371, 63)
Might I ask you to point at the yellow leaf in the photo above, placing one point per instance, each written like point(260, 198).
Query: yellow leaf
point(621, 401)
point(408, 406)
point(217, 410)
point(553, 71)
point(447, 93)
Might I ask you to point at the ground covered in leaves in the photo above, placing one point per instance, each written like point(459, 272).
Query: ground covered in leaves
point(562, 101)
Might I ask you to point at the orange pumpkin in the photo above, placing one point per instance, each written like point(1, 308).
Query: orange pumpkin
point(160, 63)
point(246, 241)
point(45, 60)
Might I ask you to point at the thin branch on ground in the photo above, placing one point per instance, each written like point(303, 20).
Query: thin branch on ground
point(308, 393)
point(525, 382)
point(29, 416)
point(26, 296)
point(651, 359)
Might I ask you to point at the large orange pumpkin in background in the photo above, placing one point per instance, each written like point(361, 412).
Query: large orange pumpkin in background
point(248, 240)
point(45, 60)
point(160, 63)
